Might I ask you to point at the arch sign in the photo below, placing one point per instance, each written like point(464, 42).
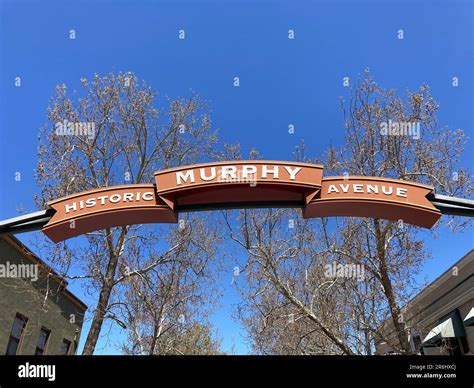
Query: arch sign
point(241, 184)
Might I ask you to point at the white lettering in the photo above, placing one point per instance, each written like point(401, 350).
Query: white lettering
point(344, 188)
point(37, 371)
point(202, 173)
point(181, 176)
point(293, 172)
point(102, 199)
point(229, 171)
point(71, 207)
point(128, 197)
point(372, 188)
point(402, 192)
point(115, 198)
point(248, 170)
point(148, 196)
point(387, 191)
point(90, 202)
point(361, 188)
point(266, 171)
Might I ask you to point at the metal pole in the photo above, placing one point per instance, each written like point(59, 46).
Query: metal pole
point(35, 221)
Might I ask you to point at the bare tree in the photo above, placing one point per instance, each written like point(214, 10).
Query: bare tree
point(290, 306)
point(391, 251)
point(293, 305)
point(131, 138)
point(165, 309)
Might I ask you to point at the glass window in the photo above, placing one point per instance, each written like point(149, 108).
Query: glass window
point(42, 341)
point(65, 346)
point(16, 335)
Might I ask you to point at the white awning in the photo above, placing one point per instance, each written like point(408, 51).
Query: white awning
point(443, 330)
point(469, 320)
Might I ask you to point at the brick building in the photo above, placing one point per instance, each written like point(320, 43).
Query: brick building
point(38, 314)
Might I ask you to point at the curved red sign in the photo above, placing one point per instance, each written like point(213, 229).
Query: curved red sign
point(106, 207)
point(239, 184)
point(243, 183)
point(374, 197)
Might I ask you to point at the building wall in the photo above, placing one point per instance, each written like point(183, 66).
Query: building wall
point(464, 310)
point(27, 298)
point(453, 290)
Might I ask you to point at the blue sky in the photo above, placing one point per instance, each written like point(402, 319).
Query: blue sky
point(282, 81)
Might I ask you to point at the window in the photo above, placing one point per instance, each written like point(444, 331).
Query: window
point(16, 335)
point(415, 343)
point(65, 346)
point(42, 341)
